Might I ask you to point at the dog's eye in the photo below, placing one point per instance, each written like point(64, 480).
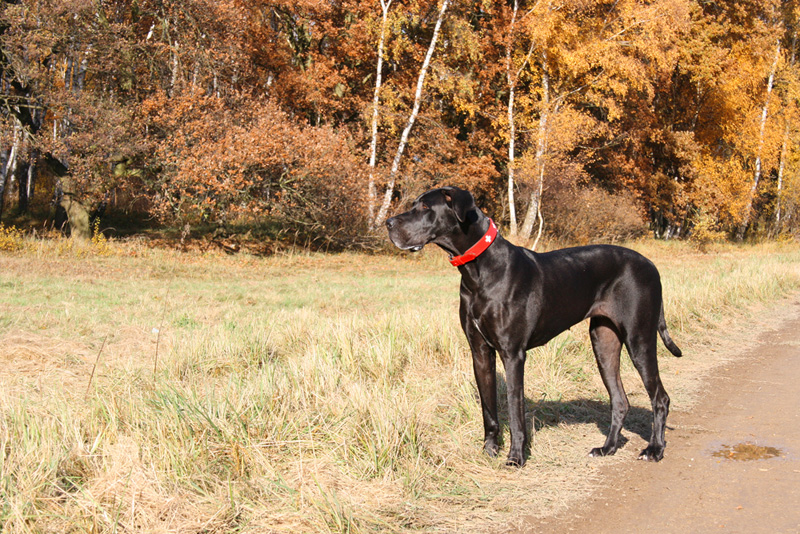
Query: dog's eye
point(423, 207)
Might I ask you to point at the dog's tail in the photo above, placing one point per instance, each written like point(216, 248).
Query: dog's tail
point(665, 337)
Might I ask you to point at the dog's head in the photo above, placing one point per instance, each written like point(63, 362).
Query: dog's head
point(435, 216)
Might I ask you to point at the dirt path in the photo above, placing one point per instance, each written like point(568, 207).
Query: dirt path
point(752, 402)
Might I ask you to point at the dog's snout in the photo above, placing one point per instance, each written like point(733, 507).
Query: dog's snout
point(390, 223)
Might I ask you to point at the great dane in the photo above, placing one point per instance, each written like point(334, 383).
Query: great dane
point(513, 299)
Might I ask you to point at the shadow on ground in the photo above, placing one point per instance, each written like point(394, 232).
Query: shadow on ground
point(549, 413)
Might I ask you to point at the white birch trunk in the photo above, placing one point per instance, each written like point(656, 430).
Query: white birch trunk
point(11, 164)
point(387, 197)
point(534, 208)
point(512, 126)
point(757, 175)
point(30, 185)
point(785, 145)
point(539, 213)
point(80, 76)
point(175, 67)
point(68, 73)
point(372, 200)
point(8, 167)
point(781, 169)
point(512, 209)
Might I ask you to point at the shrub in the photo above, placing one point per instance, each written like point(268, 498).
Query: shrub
point(589, 214)
point(222, 163)
point(11, 238)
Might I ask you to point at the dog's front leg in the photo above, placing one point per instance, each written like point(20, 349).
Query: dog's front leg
point(483, 364)
point(514, 363)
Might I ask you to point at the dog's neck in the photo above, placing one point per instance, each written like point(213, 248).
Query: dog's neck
point(478, 248)
point(458, 243)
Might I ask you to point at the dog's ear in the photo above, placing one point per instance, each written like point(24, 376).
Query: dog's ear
point(462, 203)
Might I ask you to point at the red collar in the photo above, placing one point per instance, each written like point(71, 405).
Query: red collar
point(478, 248)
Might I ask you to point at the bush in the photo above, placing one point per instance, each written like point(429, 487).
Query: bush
point(583, 215)
point(11, 239)
point(706, 231)
point(222, 163)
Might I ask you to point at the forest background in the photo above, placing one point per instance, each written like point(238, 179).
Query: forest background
point(583, 119)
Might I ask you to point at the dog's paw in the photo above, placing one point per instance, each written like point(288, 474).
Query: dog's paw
point(652, 453)
point(515, 460)
point(491, 448)
point(599, 452)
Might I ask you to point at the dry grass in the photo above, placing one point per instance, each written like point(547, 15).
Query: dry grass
point(302, 393)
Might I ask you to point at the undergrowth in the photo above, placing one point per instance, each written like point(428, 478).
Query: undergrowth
point(302, 392)
point(11, 239)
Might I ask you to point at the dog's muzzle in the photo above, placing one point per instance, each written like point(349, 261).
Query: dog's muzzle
point(396, 235)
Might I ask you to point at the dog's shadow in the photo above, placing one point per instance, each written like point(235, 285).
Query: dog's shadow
point(545, 413)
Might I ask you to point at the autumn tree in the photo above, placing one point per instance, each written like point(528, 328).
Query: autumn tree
point(725, 75)
point(321, 118)
point(787, 86)
point(63, 72)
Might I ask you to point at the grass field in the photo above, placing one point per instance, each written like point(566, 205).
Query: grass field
point(154, 391)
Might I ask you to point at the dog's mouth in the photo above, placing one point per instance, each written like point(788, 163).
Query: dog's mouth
point(402, 243)
point(409, 248)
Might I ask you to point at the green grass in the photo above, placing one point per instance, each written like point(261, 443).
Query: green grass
point(305, 393)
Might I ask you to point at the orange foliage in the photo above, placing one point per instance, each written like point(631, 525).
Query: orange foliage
point(221, 162)
point(233, 109)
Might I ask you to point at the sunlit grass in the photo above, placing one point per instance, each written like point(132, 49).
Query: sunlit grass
point(301, 392)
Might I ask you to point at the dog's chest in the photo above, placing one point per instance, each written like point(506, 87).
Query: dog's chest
point(503, 325)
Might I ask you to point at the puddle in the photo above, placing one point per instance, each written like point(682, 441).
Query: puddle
point(747, 451)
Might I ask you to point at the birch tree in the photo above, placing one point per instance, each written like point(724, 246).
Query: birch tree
point(373, 146)
point(392, 178)
point(8, 163)
point(781, 171)
point(512, 78)
point(788, 116)
point(747, 214)
point(534, 205)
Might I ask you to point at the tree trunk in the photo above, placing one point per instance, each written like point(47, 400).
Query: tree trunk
point(757, 175)
point(80, 72)
point(8, 165)
point(372, 201)
point(511, 79)
point(539, 213)
point(534, 207)
point(781, 169)
point(785, 145)
point(77, 218)
point(23, 176)
point(512, 82)
point(5, 156)
point(77, 215)
point(174, 67)
point(387, 197)
point(512, 209)
point(30, 183)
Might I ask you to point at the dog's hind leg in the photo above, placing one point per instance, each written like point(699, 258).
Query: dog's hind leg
point(607, 345)
point(643, 354)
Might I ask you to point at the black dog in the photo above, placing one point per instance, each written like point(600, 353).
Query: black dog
point(513, 299)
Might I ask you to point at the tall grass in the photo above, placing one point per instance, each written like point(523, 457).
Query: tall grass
point(301, 393)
